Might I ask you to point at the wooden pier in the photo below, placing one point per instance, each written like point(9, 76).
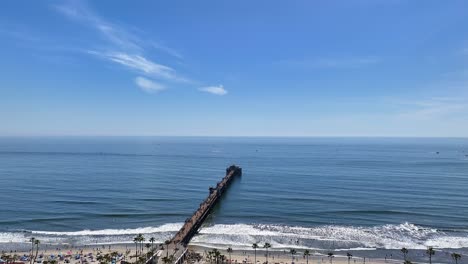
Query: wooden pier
point(192, 224)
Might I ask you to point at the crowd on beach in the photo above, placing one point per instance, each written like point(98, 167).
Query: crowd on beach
point(67, 255)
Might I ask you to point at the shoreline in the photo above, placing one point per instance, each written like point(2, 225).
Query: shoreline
point(247, 256)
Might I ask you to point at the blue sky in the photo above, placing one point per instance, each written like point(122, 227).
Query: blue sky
point(234, 68)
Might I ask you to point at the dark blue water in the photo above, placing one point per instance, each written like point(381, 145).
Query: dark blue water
point(320, 193)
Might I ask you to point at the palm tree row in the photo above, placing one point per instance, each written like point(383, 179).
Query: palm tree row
point(139, 240)
point(292, 251)
point(215, 255)
point(429, 252)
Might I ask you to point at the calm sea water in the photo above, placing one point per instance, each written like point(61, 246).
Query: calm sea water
point(323, 193)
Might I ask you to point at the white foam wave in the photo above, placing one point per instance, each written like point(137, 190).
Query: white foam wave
point(242, 236)
point(386, 236)
point(7, 237)
point(447, 242)
point(86, 237)
point(172, 227)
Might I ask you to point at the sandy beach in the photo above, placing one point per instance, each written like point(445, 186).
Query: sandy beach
point(88, 254)
point(283, 257)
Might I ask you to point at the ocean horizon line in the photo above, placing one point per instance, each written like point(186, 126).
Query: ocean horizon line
point(238, 136)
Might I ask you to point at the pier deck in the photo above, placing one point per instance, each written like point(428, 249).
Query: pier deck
point(181, 239)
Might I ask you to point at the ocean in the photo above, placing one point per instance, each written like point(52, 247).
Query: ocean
point(319, 193)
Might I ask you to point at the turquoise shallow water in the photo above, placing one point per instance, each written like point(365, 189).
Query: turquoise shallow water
point(324, 193)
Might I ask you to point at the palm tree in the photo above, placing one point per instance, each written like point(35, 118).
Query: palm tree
point(152, 243)
point(456, 257)
point(36, 242)
point(331, 256)
point(216, 254)
point(430, 252)
point(211, 256)
point(229, 251)
point(32, 249)
point(167, 242)
point(349, 255)
point(405, 253)
point(307, 254)
point(293, 252)
point(141, 239)
point(255, 246)
point(267, 246)
point(135, 240)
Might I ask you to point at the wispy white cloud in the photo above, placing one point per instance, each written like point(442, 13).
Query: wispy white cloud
point(140, 64)
point(112, 33)
point(217, 90)
point(123, 46)
point(125, 38)
point(344, 62)
point(148, 86)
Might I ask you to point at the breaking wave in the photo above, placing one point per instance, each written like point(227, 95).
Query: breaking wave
point(241, 236)
point(174, 227)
